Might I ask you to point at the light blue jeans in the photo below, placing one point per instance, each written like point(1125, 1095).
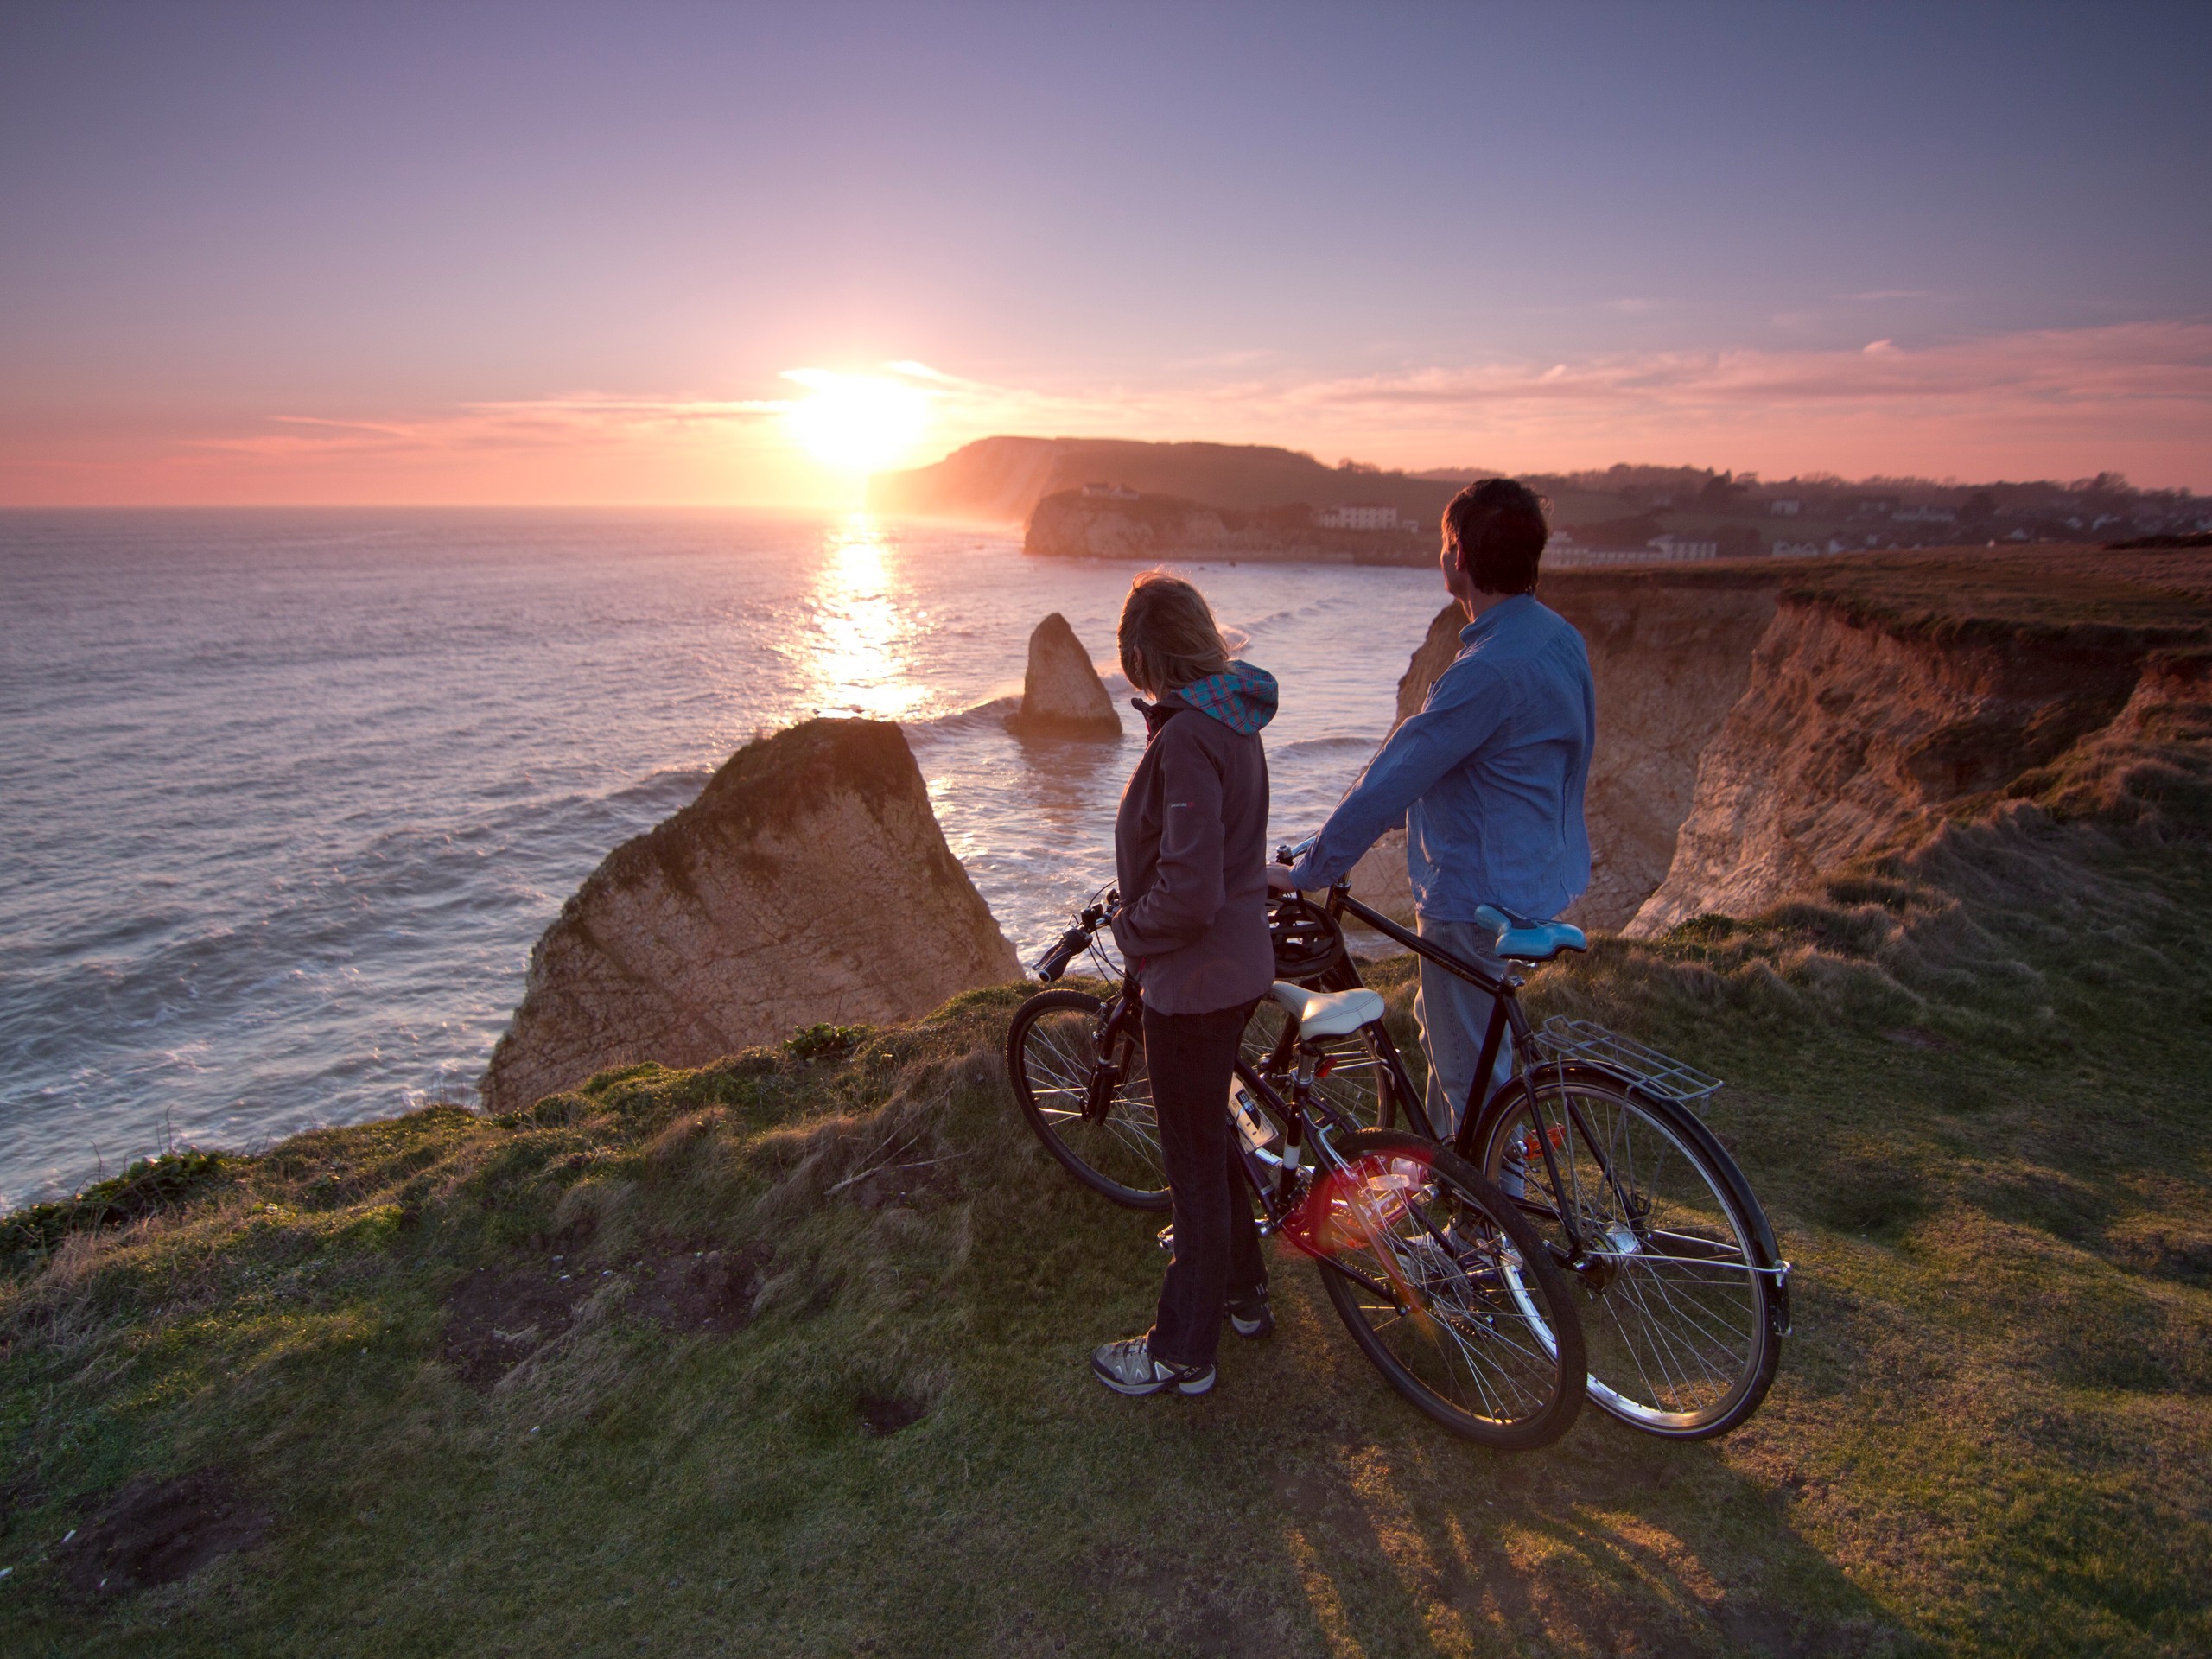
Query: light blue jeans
point(1454, 1016)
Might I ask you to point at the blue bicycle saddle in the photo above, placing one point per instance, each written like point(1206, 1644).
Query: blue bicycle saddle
point(1522, 940)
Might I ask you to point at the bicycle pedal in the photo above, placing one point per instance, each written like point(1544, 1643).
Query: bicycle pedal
point(1165, 1239)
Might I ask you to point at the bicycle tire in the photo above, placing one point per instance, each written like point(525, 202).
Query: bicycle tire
point(1504, 1370)
point(1682, 1311)
point(1050, 1056)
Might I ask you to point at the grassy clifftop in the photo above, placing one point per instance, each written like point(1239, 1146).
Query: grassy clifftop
point(785, 1354)
point(2145, 597)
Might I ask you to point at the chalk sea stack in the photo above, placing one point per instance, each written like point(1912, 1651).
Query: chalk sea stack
point(1061, 695)
point(810, 881)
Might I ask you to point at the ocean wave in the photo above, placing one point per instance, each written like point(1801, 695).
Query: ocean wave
point(1335, 743)
point(983, 717)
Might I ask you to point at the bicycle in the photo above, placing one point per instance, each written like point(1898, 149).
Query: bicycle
point(1685, 1294)
point(1440, 1280)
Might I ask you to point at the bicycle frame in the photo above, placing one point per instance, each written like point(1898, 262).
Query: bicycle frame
point(1280, 1197)
point(1507, 1017)
point(1278, 1188)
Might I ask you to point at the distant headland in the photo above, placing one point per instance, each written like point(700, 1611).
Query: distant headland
point(1120, 498)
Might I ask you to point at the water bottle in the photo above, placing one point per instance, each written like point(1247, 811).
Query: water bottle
point(1259, 1133)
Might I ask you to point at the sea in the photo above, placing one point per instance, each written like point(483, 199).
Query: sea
point(286, 796)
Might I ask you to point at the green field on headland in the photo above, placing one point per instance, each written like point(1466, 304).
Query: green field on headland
point(786, 1354)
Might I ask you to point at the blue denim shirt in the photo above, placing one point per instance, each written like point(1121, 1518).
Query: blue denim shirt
point(1488, 777)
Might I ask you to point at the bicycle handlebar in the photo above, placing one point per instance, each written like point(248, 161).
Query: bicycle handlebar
point(1054, 962)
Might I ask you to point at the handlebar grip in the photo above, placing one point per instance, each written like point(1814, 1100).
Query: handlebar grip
point(1055, 963)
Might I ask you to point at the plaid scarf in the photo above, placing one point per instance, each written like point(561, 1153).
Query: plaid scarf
point(1242, 697)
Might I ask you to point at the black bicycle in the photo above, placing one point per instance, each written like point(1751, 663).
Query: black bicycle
point(1443, 1283)
point(1684, 1296)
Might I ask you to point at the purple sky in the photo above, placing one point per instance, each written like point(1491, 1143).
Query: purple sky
point(457, 252)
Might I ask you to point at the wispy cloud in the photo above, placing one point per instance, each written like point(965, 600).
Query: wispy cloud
point(2019, 403)
point(2097, 389)
point(2137, 396)
point(530, 423)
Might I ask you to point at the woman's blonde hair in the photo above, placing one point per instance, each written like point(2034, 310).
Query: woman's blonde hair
point(1168, 636)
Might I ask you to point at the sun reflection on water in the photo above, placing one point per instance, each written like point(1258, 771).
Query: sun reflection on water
point(856, 656)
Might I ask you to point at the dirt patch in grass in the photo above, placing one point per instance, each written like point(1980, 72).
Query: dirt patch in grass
point(156, 1532)
point(700, 1289)
point(1921, 1038)
point(886, 1414)
point(497, 1317)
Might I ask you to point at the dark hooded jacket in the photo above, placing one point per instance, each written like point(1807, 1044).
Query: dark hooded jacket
point(1190, 847)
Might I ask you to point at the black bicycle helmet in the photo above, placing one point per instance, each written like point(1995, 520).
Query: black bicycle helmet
point(1307, 943)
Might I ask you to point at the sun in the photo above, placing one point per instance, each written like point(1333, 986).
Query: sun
point(856, 423)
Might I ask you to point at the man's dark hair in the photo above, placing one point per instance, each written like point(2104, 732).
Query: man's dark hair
point(1499, 528)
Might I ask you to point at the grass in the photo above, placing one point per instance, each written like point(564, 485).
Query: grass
point(1969, 1083)
point(2138, 600)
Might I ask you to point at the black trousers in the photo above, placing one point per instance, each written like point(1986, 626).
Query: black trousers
point(1191, 1057)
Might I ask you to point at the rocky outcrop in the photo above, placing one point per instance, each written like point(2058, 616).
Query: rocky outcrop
point(1849, 735)
point(1668, 663)
point(1061, 694)
point(1072, 524)
point(810, 881)
point(1752, 739)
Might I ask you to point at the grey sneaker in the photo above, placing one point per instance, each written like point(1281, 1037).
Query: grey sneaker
point(1128, 1367)
point(1250, 1316)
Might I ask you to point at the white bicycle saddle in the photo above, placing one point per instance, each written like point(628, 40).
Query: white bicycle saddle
point(1327, 1013)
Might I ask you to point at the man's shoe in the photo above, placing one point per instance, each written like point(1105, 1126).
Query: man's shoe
point(1128, 1367)
point(1252, 1317)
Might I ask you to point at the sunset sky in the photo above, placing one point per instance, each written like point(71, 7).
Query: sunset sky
point(536, 253)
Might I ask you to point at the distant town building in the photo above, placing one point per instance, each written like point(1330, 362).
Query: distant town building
point(1110, 491)
point(1784, 509)
point(1922, 516)
point(1800, 550)
point(1360, 515)
point(1565, 552)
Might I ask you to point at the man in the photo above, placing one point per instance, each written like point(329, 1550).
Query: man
point(1488, 778)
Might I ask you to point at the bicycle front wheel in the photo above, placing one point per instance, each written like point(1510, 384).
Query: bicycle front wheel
point(1447, 1290)
point(1679, 1302)
point(1092, 1110)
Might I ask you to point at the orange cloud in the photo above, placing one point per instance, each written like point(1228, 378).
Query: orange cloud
point(2136, 397)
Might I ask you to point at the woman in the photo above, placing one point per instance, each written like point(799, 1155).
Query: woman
point(1190, 850)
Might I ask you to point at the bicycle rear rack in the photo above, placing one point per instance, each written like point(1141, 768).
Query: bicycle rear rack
point(1562, 1039)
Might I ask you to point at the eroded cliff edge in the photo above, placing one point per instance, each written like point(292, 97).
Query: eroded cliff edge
point(810, 881)
point(1760, 727)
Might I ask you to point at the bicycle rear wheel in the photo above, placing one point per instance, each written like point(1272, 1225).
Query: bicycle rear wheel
point(1680, 1304)
point(1447, 1290)
point(1106, 1136)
